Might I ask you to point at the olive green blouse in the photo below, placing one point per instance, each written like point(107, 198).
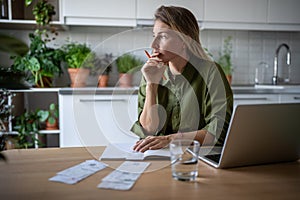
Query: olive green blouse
point(199, 98)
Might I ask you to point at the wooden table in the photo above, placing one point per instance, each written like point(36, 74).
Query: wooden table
point(26, 174)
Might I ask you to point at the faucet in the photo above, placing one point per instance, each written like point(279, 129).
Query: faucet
point(288, 62)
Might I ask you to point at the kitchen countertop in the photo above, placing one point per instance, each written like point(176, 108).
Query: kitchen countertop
point(237, 89)
point(266, 89)
point(103, 91)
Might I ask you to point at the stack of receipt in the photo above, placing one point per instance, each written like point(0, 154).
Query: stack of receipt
point(124, 177)
point(78, 172)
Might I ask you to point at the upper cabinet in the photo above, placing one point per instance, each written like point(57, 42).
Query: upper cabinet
point(252, 15)
point(13, 11)
point(100, 12)
point(240, 11)
point(146, 8)
point(273, 15)
point(286, 11)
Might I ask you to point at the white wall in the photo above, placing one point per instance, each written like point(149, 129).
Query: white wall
point(249, 47)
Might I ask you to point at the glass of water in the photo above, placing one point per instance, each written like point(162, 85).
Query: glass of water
point(184, 159)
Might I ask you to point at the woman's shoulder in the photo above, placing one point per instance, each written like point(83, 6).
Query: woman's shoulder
point(203, 66)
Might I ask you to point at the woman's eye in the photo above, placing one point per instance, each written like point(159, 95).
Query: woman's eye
point(163, 36)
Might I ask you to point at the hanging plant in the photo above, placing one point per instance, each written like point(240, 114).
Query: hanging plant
point(43, 12)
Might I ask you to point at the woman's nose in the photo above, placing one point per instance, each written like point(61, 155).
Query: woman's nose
point(154, 44)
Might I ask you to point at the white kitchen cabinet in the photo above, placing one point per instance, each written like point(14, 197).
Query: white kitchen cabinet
point(290, 98)
point(96, 119)
point(100, 12)
point(255, 98)
point(286, 12)
point(146, 8)
point(253, 11)
point(270, 15)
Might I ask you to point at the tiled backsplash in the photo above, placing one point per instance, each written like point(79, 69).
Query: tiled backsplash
point(249, 47)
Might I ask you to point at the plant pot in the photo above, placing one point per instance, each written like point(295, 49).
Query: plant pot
point(229, 79)
point(78, 76)
point(125, 80)
point(51, 126)
point(103, 80)
point(10, 143)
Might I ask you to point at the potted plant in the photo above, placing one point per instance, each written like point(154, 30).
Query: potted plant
point(125, 64)
point(80, 59)
point(41, 63)
point(27, 125)
point(102, 69)
point(225, 59)
point(50, 117)
point(16, 47)
point(42, 11)
point(5, 117)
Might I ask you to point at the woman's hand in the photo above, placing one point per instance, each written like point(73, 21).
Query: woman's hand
point(153, 70)
point(151, 143)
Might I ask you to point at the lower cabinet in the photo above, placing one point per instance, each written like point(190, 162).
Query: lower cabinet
point(290, 98)
point(96, 120)
point(88, 119)
point(255, 99)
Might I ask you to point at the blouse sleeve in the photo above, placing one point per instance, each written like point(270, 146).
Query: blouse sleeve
point(218, 104)
point(137, 127)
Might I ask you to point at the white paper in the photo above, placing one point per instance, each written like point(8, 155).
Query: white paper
point(126, 185)
point(125, 151)
point(78, 172)
point(124, 177)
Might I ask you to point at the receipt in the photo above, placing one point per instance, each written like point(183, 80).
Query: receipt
point(124, 177)
point(78, 172)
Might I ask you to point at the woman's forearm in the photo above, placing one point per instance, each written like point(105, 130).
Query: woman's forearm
point(149, 118)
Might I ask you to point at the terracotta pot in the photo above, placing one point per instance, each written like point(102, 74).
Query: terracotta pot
point(52, 126)
point(103, 80)
point(229, 78)
point(125, 80)
point(78, 76)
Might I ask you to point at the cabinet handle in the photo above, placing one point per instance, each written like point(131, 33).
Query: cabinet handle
point(262, 98)
point(102, 100)
point(297, 98)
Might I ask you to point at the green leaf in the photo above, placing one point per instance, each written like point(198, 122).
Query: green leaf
point(51, 120)
point(28, 2)
point(52, 106)
point(34, 64)
point(43, 115)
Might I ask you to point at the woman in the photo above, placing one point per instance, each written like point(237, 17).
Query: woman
point(183, 94)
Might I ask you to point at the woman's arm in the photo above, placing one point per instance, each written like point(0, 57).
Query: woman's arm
point(158, 142)
point(149, 117)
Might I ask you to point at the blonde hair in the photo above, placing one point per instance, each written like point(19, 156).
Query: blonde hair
point(184, 22)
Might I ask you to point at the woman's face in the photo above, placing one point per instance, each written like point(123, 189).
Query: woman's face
point(166, 44)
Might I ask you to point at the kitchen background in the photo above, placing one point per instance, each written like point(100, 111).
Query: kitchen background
point(107, 27)
point(250, 48)
point(257, 28)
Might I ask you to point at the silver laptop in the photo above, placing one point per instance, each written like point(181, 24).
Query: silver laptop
point(259, 134)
